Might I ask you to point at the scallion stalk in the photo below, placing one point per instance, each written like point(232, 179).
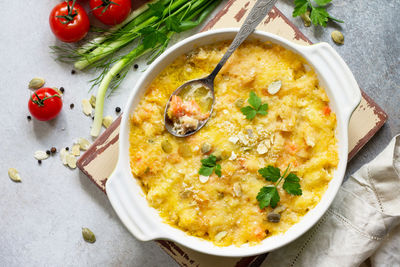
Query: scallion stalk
point(189, 18)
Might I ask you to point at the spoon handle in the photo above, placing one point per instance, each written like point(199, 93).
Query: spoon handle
point(257, 13)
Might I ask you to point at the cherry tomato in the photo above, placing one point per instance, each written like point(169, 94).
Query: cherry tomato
point(110, 12)
point(69, 21)
point(45, 104)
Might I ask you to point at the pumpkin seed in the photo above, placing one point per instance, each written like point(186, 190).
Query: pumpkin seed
point(239, 102)
point(337, 37)
point(92, 101)
point(274, 87)
point(14, 175)
point(205, 148)
point(166, 146)
point(218, 155)
point(41, 155)
point(273, 217)
point(107, 121)
point(86, 107)
point(84, 144)
point(36, 83)
point(88, 235)
point(306, 18)
point(221, 154)
point(279, 209)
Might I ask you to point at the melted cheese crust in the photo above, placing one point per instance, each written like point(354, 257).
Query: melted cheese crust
point(299, 129)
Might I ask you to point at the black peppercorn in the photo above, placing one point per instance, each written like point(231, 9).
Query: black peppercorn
point(48, 152)
point(136, 66)
point(62, 90)
point(29, 118)
point(67, 148)
point(118, 109)
point(39, 161)
point(73, 72)
point(71, 106)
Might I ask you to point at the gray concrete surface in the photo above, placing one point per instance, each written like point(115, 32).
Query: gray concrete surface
point(41, 218)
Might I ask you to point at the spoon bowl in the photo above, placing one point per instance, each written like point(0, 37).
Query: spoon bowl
point(257, 13)
point(208, 83)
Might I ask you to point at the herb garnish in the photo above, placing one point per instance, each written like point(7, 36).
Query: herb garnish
point(256, 107)
point(318, 16)
point(268, 195)
point(209, 165)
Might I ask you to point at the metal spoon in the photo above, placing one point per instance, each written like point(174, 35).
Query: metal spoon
point(257, 13)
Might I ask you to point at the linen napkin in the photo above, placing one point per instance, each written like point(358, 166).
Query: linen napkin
point(363, 221)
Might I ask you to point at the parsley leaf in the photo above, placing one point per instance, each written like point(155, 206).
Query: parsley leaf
point(152, 37)
point(218, 170)
point(206, 171)
point(157, 9)
point(300, 7)
point(249, 112)
point(209, 165)
point(256, 107)
point(173, 24)
point(270, 173)
point(254, 100)
point(318, 16)
point(322, 2)
point(267, 196)
point(292, 185)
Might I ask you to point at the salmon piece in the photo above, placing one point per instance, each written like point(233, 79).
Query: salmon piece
point(175, 107)
point(191, 108)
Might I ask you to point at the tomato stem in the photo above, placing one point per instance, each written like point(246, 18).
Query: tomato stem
point(70, 16)
point(40, 102)
point(105, 4)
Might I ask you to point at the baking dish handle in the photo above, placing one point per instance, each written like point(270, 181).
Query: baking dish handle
point(121, 199)
point(332, 66)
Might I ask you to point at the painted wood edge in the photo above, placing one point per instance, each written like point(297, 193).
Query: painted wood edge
point(381, 114)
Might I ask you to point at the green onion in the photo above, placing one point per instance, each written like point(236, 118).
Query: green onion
point(150, 28)
point(189, 19)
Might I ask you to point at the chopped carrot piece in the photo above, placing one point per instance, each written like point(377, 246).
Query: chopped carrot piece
point(259, 232)
point(327, 110)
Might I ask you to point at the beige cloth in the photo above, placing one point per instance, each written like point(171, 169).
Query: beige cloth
point(363, 221)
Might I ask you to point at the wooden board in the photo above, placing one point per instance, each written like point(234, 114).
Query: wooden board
point(100, 160)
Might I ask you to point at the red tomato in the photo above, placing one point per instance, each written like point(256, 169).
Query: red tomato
point(111, 12)
point(69, 21)
point(45, 104)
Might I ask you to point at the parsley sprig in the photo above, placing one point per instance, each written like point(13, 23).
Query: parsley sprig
point(256, 107)
point(269, 195)
point(210, 165)
point(318, 15)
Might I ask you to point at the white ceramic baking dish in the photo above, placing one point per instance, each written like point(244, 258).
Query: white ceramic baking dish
point(128, 199)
